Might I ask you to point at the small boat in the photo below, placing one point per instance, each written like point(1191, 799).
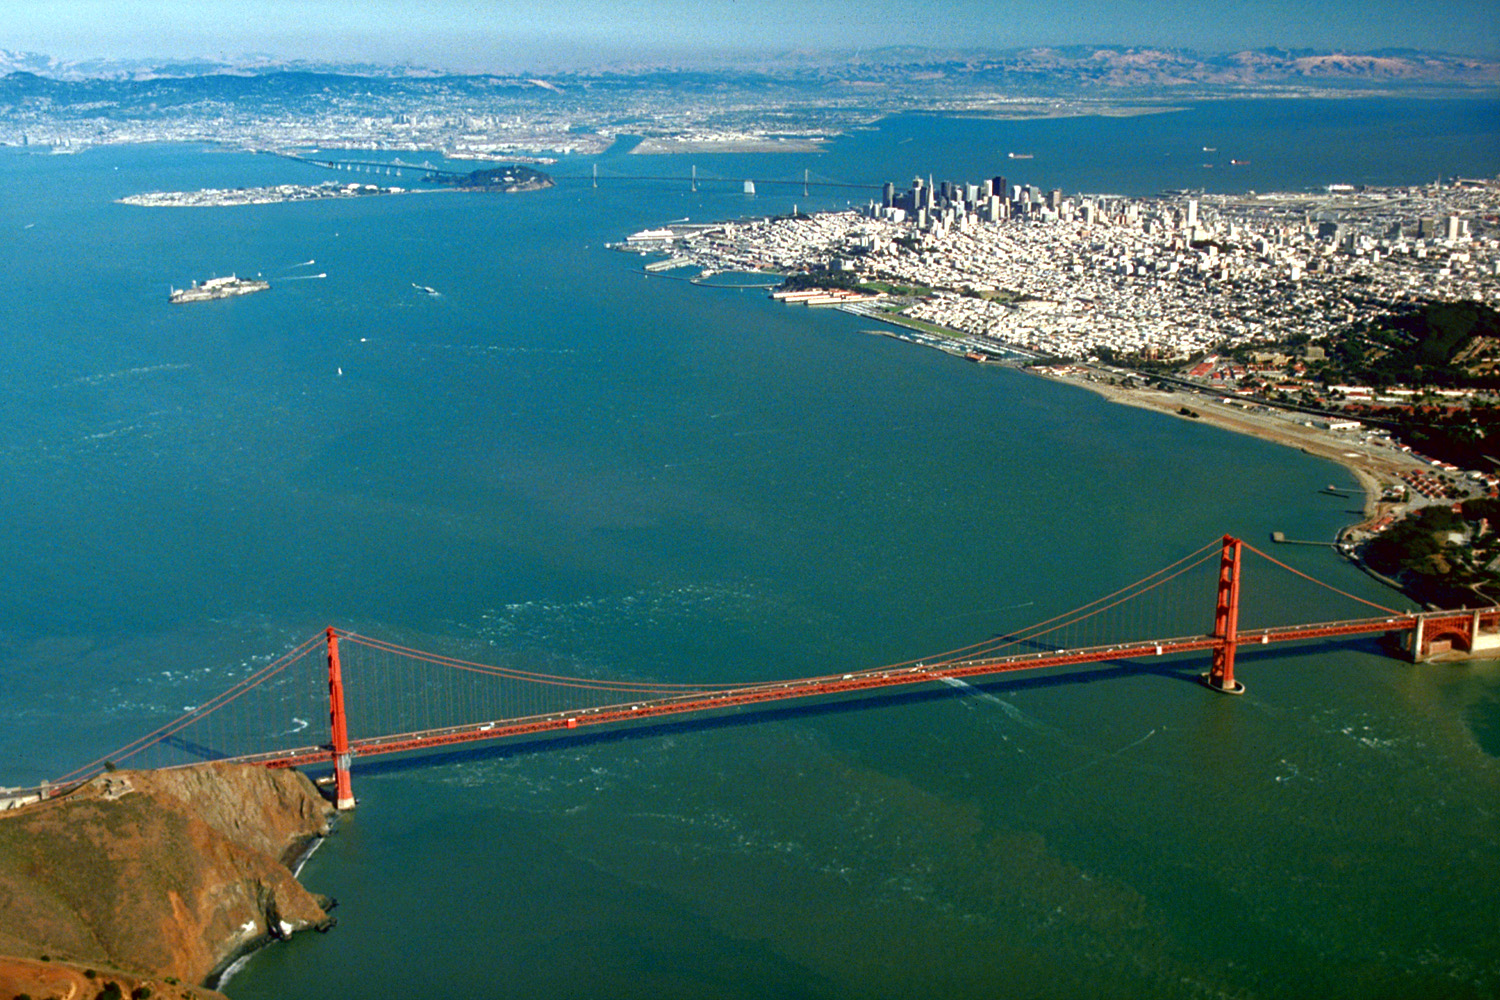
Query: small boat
point(1020, 156)
point(426, 289)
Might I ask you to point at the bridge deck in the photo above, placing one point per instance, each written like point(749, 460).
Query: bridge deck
point(815, 687)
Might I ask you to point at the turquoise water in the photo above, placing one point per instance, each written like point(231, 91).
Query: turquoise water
point(561, 462)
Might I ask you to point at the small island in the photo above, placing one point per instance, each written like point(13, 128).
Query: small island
point(509, 180)
point(217, 288)
point(268, 195)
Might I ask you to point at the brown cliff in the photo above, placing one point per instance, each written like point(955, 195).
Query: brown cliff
point(164, 873)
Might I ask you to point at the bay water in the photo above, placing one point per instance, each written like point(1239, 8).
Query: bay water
point(562, 463)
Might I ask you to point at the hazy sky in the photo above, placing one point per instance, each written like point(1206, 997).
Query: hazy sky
point(505, 34)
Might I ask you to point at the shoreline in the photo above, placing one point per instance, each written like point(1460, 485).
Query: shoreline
point(1371, 472)
point(1374, 468)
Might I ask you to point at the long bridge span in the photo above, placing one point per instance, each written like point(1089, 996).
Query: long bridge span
point(422, 700)
point(392, 168)
point(398, 167)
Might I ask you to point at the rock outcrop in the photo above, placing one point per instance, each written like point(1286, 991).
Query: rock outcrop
point(163, 873)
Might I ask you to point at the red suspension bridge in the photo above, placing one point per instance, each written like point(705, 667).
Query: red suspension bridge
point(400, 699)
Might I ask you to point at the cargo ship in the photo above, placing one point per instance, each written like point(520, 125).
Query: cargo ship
point(217, 288)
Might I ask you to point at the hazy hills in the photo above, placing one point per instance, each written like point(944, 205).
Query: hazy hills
point(1087, 68)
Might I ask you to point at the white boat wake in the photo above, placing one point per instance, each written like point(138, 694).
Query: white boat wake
point(1011, 711)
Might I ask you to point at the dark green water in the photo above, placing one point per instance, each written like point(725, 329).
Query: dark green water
point(563, 463)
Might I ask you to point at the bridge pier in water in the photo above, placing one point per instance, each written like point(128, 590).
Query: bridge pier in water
point(338, 724)
point(1220, 676)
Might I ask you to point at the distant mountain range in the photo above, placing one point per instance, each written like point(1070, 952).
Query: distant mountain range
point(1076, 67)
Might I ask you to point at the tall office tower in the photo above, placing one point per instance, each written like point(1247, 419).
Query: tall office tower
point(1455, 227)
point(888, 194)
point(971, 193)
point(930, 195)
point(945, 189)
point(986, 188)
point(1001, 187)
point(1192, 214)
point(1054, 199)
point(1088, 213)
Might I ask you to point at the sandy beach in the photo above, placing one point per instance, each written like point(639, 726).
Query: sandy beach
point(1374, 466)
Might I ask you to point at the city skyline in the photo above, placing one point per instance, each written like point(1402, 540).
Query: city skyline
point(469, 36)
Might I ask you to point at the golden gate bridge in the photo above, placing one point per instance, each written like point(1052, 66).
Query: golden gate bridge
point(380, 697)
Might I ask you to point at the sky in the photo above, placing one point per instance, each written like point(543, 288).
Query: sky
point(474, 35)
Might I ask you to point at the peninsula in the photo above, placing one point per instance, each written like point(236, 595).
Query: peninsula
point(154, 879)
point(1316, 319)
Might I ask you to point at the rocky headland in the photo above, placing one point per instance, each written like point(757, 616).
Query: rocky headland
point(154, 879)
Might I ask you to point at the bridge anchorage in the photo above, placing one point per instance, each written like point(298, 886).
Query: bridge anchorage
point(383, 698)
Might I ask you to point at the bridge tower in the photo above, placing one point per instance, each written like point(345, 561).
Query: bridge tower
point(1226, 621)
point(339, 726)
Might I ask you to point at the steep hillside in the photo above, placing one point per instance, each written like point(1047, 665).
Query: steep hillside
point(163, 873)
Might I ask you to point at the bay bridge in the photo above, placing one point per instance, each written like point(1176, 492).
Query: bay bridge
point(380, 697)
point(427, 171)
point(693, 179)
point(392, 168)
